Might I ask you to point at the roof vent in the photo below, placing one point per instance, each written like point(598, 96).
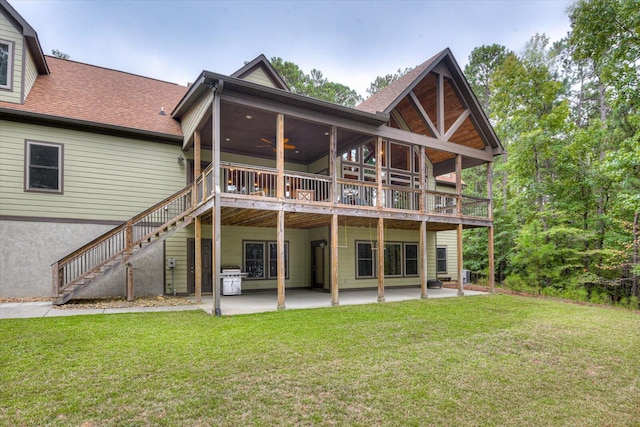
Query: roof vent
point(162, 113)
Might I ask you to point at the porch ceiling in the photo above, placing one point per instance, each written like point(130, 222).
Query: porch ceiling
point(244, 131)
point(266, 218)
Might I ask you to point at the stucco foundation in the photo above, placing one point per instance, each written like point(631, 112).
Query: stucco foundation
point(28, 249)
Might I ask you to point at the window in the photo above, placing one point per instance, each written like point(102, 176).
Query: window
point(261, 259)
point(43, 167)
point(364, 260)
point(410, 259)
point(400, 260)
point(254, 260)
point(400, 157)
point(6, 64)
point(441, 259)
point(273, 260)
point(393, 259)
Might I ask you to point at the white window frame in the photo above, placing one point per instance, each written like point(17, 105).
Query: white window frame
point(10, 62)
point(27, 167)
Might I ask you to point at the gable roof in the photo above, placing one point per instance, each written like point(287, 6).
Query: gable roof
point(30, 35)
point(385, 100)
point(388, 97)
point(261, 62)
point(87, 95)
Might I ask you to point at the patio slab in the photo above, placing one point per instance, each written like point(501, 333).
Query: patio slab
point(248, 302)
point(263, 301)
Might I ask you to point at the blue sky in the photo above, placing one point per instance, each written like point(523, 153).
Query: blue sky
point(351, 42)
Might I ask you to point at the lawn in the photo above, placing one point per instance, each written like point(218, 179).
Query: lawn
point(487, 360)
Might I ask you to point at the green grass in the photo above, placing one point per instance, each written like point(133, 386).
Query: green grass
point(494, 360)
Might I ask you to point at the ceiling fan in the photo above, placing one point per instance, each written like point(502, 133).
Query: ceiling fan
point(269, 143)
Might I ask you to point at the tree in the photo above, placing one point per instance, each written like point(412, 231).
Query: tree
point(59, 54)
point(483, 63)
point(314, 84)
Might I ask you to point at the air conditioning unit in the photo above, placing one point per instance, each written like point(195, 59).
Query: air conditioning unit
point(466, 277)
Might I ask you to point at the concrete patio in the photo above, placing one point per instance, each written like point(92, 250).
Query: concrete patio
point(262, 301)
point(248, 302)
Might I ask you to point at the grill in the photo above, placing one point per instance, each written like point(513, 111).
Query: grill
point(232, 280)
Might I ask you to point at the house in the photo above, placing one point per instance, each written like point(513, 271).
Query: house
point(113, 183)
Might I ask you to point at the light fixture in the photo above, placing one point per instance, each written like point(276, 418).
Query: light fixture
point(180, 160)
point(249, 117)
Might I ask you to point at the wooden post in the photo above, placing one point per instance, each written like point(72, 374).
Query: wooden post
point(216, 214)
point(380, 190)
point(492, 268)
point(129, 238)
point(281, 270)
point(129, 282)
point(380, 259)
point(196, 155)
point(440, 105)
point(423, 179)
point(55, 276)
point(198, 260)
point(459, 184)
point(459, 248)
point(423, 260)
point(334, 261)
point(333, 170)
point(280, 190)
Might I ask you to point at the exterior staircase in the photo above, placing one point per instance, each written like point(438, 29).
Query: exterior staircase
point(80, 269)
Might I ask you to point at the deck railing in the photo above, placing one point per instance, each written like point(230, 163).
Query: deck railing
point(260, 181)
point(248, 180)
point(475, 206)
point(357, 193)
point(308, 187)
point(406, 198)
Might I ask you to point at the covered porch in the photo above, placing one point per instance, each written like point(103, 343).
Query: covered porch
point(265, 301)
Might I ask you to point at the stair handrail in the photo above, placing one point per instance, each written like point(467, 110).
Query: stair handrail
point(59, 281)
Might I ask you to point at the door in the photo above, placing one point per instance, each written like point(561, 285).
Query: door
point(317, 264)
point(206, 266)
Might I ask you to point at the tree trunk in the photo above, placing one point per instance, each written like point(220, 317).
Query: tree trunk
point(635, 290)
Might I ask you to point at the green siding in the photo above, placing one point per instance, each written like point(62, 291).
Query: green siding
point(105, 177)
point(231, 254)
point(449, 240)
point(347, 255)
point(30, 74)
point(9, 33)
point(258, 76)
point(192, 118)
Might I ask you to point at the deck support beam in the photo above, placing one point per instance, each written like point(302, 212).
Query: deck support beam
point(380, 259)
point(459, 249)
point(334, 261)
point(492, 267)
point(216, 208)
point(423, 260)
point(281, 269)
point(459, 229)
point(198, 261)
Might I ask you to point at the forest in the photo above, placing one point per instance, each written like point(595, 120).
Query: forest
point(567, 192)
